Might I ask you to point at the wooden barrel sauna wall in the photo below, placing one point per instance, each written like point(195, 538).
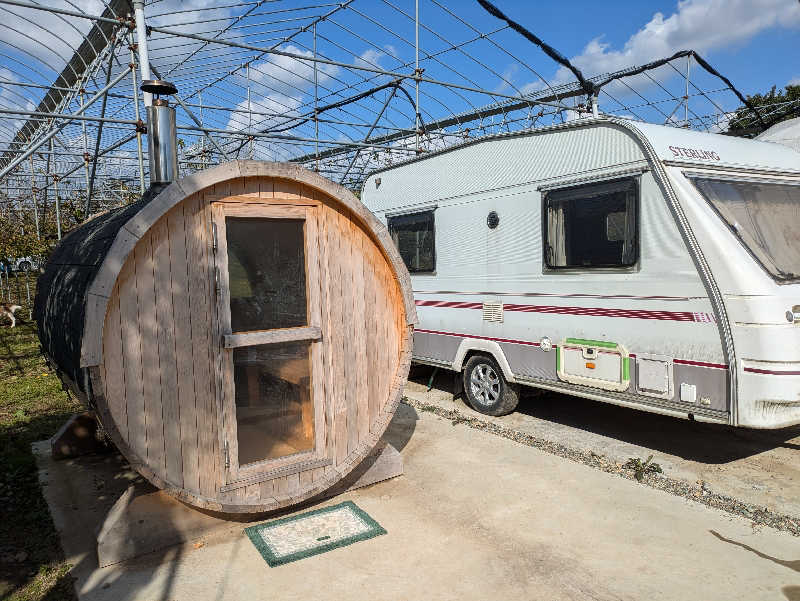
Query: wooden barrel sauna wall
point(243, 337)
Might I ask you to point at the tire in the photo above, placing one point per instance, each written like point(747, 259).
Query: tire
point(24, 266)
point(486, 389)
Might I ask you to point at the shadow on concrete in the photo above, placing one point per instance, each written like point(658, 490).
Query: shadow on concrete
point(694, 441)
point(792, 593)
point(791, 564)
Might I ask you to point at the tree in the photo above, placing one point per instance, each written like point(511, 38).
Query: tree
point(773, 108)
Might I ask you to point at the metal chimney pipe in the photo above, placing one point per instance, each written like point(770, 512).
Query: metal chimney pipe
point(162, 142)
point(162, 139)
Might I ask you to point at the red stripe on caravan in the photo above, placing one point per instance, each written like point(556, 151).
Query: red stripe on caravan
point(588, 311)
point(771, 372)
point(700, 363)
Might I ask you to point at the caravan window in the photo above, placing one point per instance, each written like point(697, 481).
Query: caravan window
point(764, 215)
point(413, 234)
point(594, 225)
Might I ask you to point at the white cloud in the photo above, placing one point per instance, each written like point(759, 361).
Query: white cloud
point(795, 81)
point(369, 58)
point(701, 25)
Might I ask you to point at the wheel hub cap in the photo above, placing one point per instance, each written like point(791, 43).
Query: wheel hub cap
point(484, 384)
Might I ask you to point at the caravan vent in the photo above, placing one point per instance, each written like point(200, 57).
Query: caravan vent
point(493, 312)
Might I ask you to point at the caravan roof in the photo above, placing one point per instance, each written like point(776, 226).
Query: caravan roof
point(669, 144)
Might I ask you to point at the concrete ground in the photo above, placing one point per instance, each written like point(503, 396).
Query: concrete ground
point(761, 467)
point(475, 516)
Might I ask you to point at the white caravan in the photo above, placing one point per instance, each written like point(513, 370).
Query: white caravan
point(636, 264)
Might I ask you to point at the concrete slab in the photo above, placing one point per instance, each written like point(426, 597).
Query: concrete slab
point(758, 467)
point(475, 517)
point(143, 520)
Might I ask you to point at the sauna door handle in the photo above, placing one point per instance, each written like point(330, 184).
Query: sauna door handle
point(272, 336)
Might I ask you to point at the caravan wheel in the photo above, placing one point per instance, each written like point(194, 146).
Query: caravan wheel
point(486, 389)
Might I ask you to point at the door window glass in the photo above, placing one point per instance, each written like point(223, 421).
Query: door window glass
point(266, 273)
point(274, 407)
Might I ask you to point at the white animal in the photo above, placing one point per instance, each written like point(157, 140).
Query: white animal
point(8, 311)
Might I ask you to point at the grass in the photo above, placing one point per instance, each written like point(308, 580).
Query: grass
point(32, 407)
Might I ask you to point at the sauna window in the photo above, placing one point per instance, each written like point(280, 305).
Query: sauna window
point(591, 226)
point(414, 237)
point(266, 273)
point(274, 406)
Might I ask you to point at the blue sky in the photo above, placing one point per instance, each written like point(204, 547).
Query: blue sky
point(756, 43)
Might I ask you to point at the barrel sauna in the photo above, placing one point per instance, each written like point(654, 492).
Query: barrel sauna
point(243, 336)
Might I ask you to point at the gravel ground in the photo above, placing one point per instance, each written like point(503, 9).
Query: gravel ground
point(699, 492)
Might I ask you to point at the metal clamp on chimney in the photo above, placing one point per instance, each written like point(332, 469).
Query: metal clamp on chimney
point(162, 141)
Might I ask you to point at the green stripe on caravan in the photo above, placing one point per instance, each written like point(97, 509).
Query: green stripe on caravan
point(585, 342)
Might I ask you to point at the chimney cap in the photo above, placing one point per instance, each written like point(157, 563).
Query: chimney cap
point(158, 87)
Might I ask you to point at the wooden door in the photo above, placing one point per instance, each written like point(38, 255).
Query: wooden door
point(268, 295)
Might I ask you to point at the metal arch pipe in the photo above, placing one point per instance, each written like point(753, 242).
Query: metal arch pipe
point(44, 139)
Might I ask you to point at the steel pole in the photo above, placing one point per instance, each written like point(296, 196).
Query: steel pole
point(58, 203)
point(416, 72)
point(35, 204)
point(136, 114)
point(85, 147)
point(686, 99)
point(141, 40)
point(316, 101)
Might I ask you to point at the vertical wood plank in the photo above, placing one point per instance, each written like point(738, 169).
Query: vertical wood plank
point(224, 360)
point(349, 320)
point(293, 484)
point(306, 478)
point(198, 249)
point(286, 189)
point(251, 187)
point(238, 186)
point(166, 350)
point(214, 349)
point(182, 315)
point(266, 186)
point(326, 302)
point(317, 474)
point(114, 366)
point(132, 357)
point(148, 330)
point(337, 250)
point(280, 487)
point(266, 490)
point(314, 286)
point(252, 494)
point(391, 346)
point(222, 189)
point(382, 315)
point(359, 335)
point(372, 313)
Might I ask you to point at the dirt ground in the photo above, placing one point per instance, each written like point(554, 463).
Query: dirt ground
point(761, 467)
